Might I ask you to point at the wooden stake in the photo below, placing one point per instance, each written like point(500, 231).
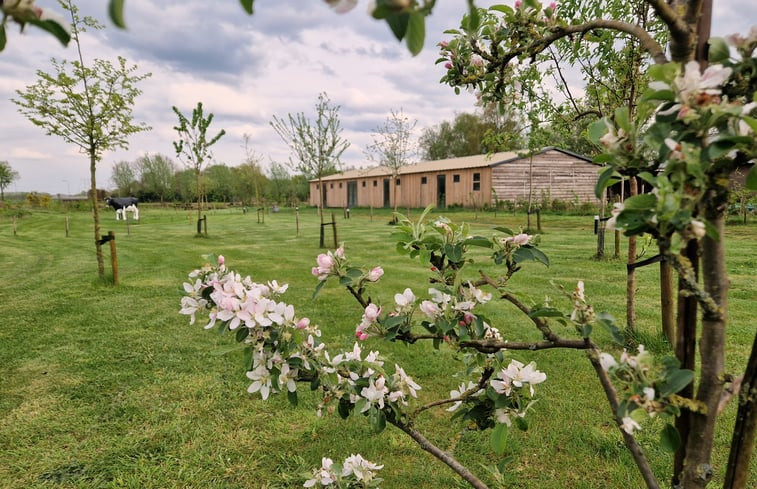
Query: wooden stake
point(113, 256)
point(67, 228)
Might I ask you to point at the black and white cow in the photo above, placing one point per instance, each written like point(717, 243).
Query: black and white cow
point(122, 205)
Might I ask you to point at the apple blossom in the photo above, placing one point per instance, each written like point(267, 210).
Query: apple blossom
point(375, 274)
point(458, 393)
point(325, 475)
point(261, 381)
point(629, 425)
point(693, 84)
point(221, 260)
point(405, 299)
point(430, 309)
point(361, 468)
point(607, 361)
point(374, 393)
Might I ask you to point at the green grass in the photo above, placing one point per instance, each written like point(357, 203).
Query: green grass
point(109, 387)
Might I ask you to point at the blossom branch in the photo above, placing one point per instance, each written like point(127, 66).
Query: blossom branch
point(493, 346)
point(482, 382)
point(612, 397)
point(440, 454)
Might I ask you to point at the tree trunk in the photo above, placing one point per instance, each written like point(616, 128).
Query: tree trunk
point(96, 213)
point(633, 190)
point(667, 303)
point(742, 444)
point(199, 195)
point(697, 471)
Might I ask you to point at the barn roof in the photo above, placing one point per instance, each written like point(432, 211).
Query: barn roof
point(459, 163)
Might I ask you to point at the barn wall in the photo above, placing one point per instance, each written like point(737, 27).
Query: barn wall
point(555, 176)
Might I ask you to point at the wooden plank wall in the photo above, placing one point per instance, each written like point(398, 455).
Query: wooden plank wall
point(555, 175)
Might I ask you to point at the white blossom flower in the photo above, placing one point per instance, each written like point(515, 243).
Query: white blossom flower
point(629, 425)
point(261, 381)
point(693, 83)
point(362, 469)
point(405, 299)
point(607, 361)
point(325, 476)
point(374, 393)
point(455, 394)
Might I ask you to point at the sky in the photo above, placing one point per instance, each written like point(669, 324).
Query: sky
point(245, 69)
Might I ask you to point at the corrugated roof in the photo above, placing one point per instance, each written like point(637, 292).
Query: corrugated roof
point(459, 163)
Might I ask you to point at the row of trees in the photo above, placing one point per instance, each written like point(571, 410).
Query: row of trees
point(158, 178)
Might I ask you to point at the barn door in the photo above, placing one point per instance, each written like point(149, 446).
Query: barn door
point(352, 194)
point(387, 196)
point(441, 191)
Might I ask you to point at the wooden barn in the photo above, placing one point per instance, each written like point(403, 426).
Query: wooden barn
point(467, 181)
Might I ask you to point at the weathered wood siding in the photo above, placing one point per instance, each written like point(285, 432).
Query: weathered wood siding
point(553, 175)
point(412, 191)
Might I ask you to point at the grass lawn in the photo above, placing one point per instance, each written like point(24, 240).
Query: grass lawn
point(109, 387)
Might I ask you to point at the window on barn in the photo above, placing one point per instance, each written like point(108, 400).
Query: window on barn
point(476, 181)
point(375, 183)
point(397, 182)
point(317, 186)
point(423, 180)
point(456, 178)
point(340, 184)
point(332, 185)
point(363, 183)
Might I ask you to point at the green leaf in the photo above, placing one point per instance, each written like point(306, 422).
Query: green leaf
point(474, 20)
point(499, 438)
point(596, 130)
point(398, 24)
point(521, 423)
point(53, 28)
point(546, 312)
point(345, 281)
point(676, 380)
point(718, 51)
point(608, 321)
point(116, 12)
point(622, 120)
point(640, 202)
point(416, 32)
point(292, 397)
point(344, 407)
point(751, 179)
point(247, 5)
point(670, 439)
point(318, 288)
point(242, 333)
point(478, 241)
point(607, 177)
point(505, 230)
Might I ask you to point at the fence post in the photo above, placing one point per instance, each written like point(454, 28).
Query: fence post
point(14, 226)
point(297, 220)
point(371, 212)
point(333, 227)
point(67, 227)
point(205, 223)
point(538, 219)
point(113, 256)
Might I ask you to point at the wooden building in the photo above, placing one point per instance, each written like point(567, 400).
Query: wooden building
point(467, 181)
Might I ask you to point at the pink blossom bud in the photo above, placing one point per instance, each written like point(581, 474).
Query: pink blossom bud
point(443, 44)
point(339, 252)
point(517, 4)
point(372, 312)
point(553, 6)
point(325, 262)
point(375, 274)
point(521, 239)
point(303, 323)
point(221, 260)
point(361, 335)
point(448, 65)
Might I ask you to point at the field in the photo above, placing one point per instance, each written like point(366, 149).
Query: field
point(109, 387)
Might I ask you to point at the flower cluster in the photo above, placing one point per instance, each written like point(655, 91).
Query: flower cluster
point(353, 471)
point(645, 384)
point(583, 312)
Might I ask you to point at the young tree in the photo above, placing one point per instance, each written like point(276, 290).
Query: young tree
point(124, 177)
point(87, 104)
point(7, 176)
point(156, 174)
point(393, 146)
point(315, 146)
point(252, 169)
point(193, 146)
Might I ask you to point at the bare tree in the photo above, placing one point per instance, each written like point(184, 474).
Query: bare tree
point(393, 147)
point(316, 146)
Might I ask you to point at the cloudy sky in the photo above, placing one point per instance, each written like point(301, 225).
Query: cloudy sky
point(245, 70)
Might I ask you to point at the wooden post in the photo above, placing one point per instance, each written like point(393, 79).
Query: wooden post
point(297, 220)
point(113, 256)
point(667, 307)
point(333, 227)
point(205, 223)
point(371, 212)
point(538, 219)
point(67, 227)
point(128, 229)
point(14, 226)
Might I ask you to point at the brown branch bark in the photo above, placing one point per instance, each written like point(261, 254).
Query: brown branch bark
point(742, 444)
point(441, 455)
point(612, 397)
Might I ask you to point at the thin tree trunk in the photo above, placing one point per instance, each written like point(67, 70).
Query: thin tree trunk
point(742, 445)
point(96, 213)
point(667, 303)
point(633, 190)
point(697, 471)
